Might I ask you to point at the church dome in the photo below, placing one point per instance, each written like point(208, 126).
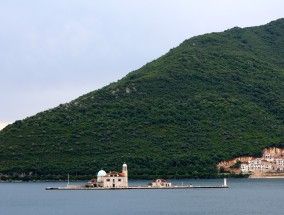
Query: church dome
point(101, 173)
point(124, 165)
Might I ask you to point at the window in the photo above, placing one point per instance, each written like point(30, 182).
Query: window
point(108, 179)
point(119, 179)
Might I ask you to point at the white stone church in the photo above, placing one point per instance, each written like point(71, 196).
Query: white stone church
point(112, 179)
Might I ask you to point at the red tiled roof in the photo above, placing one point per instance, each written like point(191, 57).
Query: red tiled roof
point(115, 173)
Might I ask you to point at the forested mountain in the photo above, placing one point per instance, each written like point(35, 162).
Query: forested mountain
point(214, 97)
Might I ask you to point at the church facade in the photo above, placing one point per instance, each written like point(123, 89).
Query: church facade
point(112, 179)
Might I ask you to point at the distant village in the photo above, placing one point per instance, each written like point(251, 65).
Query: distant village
point(272, 161)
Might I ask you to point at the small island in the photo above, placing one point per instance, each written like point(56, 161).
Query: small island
point(119, 180)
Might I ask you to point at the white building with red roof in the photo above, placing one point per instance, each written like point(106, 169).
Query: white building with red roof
point(112, 179)
point(160, 183)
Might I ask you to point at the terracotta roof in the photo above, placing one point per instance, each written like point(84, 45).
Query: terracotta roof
point(115, 173)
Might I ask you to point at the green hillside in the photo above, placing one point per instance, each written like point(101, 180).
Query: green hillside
point(214, 97)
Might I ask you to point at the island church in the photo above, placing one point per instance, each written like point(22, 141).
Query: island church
point(111, 180)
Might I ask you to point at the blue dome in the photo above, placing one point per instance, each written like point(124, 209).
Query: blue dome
point(101, 173)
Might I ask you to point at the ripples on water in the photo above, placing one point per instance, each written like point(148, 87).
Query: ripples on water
point(245, 196)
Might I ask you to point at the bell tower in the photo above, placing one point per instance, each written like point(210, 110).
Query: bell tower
point(125, 173)
point(124, 170)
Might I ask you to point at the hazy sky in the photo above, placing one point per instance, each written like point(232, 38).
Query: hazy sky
point(52, 51)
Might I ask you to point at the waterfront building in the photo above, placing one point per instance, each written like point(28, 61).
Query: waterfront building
point(244, 167)
point(111, 180)
point(256, 165)
point(279, 161)
point(255, 161)
point(267, 166)
point(278, 168)
point(160, 183)
point(268, 157)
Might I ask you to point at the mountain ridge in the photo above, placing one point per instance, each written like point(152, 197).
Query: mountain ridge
point(214, 97)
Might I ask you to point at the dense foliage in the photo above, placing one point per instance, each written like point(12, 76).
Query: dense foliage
point(214, 97)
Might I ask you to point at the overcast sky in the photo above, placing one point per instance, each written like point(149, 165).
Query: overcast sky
point(52, 51)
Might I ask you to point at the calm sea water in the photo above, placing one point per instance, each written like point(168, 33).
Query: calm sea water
point(245, 196)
